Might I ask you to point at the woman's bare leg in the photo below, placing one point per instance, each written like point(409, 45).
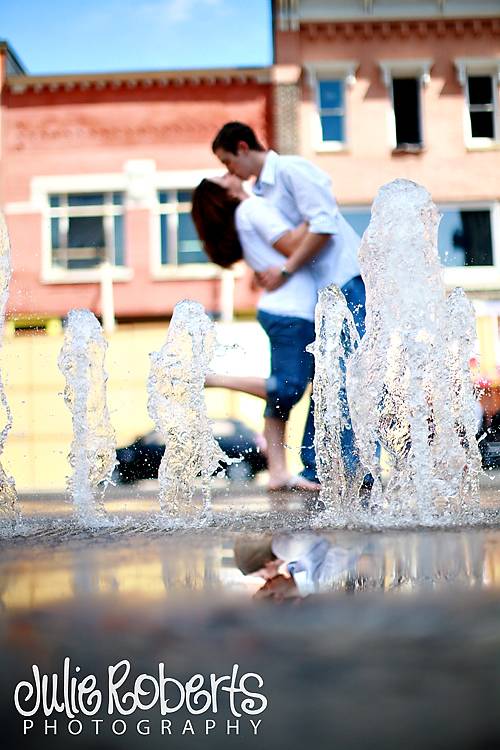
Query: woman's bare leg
point(274, 432)
point(253, 386)
point(274, 429)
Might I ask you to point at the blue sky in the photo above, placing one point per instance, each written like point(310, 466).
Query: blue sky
point(68, 36)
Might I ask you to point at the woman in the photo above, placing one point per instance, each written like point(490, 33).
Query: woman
point(233, 225)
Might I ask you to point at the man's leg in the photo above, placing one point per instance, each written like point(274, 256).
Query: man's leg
point(355, 295)
point(307, 451)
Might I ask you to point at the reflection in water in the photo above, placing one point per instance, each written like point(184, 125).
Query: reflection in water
point(34, 576)
point(298, 565)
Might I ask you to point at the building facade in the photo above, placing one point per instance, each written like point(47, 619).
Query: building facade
point(96, 177)
point(387, 89)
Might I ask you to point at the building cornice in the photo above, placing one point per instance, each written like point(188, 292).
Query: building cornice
point(14, 60)
point(19, 84)
point(424, 27)
point(292, 14)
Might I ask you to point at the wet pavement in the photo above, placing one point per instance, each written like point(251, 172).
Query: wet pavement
point(392, 642)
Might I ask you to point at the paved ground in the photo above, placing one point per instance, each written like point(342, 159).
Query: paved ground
point(402, 650)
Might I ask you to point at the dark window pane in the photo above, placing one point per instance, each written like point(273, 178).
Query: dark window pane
point(119, 245)
point(163, 196)
point(86, 231)
point(86, 199)
point(332, 127)
point(117, 199)
point(480, 90)
point(184, 196)
point(54, 201)
point(464, 238)
point(481, 124)
point(54, 233)
point(331, 94)
point(189, 246)
point(73, 263)
point(406, 95)
point(358, 220)
point(164, 239)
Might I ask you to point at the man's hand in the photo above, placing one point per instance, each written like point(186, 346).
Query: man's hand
point(271, 278)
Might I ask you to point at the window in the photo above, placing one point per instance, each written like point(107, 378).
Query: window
point(179, 243)
point(406, 102)
point(86, 229)
point(405, 80)
point(481, 105)
point(329, 82)
point(358, 219)
point(465, 237)
point(479, 78)
point(331, 109)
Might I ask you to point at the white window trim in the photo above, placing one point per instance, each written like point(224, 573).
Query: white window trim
point(405, 68)
point(179, 180)
point(139, 183)
point(476, 278)
point(343, 70)
point(470, 278)
point(41, 189)
point(476, 66)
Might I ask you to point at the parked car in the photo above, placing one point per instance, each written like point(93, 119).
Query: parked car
point(489, 443)
point(141, 459)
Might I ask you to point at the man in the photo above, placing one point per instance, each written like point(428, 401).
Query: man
point(301, 192)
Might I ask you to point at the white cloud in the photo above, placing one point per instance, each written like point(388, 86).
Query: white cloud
point(176, 11)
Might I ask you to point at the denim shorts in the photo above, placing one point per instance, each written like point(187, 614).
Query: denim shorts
point(292, 368)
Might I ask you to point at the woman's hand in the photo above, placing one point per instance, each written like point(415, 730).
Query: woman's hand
point(271, 278)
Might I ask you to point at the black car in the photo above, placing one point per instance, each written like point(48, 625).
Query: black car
point(141, 459)
point(489, 443)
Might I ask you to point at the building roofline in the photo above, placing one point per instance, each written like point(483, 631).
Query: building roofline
point(4, 45)
point(210, 76)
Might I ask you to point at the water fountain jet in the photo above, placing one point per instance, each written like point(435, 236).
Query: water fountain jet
point(8, 494)
point(176, 404)
point(409, 383)
point(93, 449)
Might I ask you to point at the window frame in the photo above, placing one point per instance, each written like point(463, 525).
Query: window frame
point(343, 71)
point(107, 210)
point(418, 69)
point(470, 278)
point(41, 190)
point(467, 67)
point(174, 181)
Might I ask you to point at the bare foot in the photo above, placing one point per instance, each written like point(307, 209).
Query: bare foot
point(294, 484)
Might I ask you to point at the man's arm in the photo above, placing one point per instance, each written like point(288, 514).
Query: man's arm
point(289, 242)
point(312, 194)
point(273, 277)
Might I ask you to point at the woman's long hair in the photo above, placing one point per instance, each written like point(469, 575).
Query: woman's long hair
point(213, 216)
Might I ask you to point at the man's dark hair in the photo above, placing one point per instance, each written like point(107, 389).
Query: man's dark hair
point(233, 133)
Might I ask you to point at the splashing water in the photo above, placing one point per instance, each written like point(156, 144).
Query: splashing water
point(409, 383)
point(336, 339)
point(176, 404)
point(8, 495)
point(93, 450)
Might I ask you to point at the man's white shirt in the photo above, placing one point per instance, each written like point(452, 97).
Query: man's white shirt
point(302, 192)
